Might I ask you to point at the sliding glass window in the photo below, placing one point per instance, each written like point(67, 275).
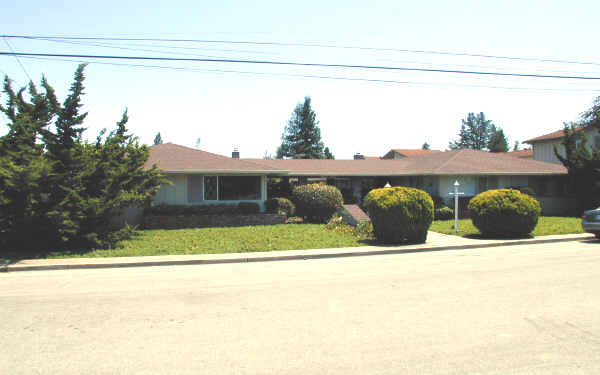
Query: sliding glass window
point(237, 188)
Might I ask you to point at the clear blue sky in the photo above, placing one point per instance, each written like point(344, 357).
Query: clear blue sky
point(248, 108)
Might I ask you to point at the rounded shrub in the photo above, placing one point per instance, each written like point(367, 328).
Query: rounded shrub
point(316, 203)
point(504, 213)
point(443, 213)
point(280, 206)
point(399, 214)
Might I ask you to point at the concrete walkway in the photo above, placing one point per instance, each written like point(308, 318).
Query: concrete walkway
point(435, 242)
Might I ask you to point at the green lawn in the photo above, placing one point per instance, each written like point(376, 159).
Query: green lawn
point(547, 225)
point(225, 240)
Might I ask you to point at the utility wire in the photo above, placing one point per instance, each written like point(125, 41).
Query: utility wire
point(123, 46)
point(19, 61)
point(129, 48)
point(314, 45)
point(316, 76)
point(159, 46)
point(288, 63)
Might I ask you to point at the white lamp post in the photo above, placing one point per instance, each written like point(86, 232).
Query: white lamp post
point(456, 194)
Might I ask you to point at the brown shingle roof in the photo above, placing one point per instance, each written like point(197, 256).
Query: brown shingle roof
point(546, 137)
point(414, 152)
point(520, 153)
point(438, 163)
point(175, 158)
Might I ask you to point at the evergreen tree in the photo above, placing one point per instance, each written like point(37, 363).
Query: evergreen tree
point(327, 154)
point(301, 138)
point(425, 146)
point(497, 141)
point(23, 167)
point(158, 139)
point(57, 190)
point(65, 152)
point(474, 133)
point(516, 146)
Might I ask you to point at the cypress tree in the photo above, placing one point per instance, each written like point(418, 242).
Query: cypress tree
point(58, 191)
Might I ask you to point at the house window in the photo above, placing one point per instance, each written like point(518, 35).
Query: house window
point(239, 188)
point(482, 184)
point(195, 188)
point(210, 188)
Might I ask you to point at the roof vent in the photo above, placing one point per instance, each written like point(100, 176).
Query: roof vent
point(359, 156)
point(235, 154)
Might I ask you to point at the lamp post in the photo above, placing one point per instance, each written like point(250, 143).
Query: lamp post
point(456, 194)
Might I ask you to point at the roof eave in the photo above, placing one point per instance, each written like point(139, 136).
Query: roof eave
point(223, 171)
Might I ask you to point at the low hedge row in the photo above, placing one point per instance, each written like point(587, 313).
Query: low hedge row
point(213, 209)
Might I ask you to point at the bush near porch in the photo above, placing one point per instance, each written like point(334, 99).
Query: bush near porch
point(399, 214)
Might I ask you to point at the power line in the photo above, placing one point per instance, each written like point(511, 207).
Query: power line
point(289, 63)
point(157, 46)
point(160, 47)
point(313, 45)
point(19, 61)
point(317, 76)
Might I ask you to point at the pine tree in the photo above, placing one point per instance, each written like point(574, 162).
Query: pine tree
point(158, 139)
point(497, 141)
point(327, 154)
point(301, 138)
point(425, 146)
point(474, 133)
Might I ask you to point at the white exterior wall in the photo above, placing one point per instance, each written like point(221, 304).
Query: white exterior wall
point(177, 194)
point(468, 185)
point(544, 150)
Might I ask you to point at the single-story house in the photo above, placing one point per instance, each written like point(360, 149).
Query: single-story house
point(201, 177)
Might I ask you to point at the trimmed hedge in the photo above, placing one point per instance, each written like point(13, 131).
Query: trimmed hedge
point(213, 209)
point(443, 213)
point(316, 202)
point(504, 213)
point(400, 214)
point(280, 206)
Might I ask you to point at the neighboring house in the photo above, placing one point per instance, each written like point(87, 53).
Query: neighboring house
point(200, 177)
point(398, 153)
point(543, 146)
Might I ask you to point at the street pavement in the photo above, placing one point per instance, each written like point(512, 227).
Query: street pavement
point(524, 309)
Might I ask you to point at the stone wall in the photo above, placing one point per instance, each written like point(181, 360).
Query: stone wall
point(207, 221)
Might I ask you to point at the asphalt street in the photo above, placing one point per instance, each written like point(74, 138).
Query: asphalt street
point(532, 309)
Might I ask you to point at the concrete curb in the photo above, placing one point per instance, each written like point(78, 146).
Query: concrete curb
point(114, 263)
